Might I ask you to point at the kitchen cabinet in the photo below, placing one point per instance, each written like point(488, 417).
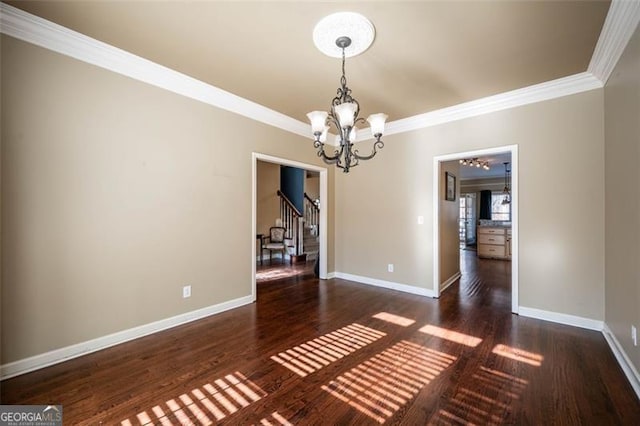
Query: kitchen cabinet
point(494, 242)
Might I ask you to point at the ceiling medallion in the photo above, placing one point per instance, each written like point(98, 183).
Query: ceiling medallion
point(342, 33)
point(343, 24)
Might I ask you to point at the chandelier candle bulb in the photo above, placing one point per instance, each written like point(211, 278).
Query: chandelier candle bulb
point(346, 113)
point(323, 135)
point(376, 121)
point(318, 121)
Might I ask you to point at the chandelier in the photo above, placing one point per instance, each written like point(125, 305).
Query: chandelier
point(475, 162)
point(351, 31)
point(506, 192)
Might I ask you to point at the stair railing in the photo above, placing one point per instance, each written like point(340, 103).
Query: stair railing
point(293, 221)
point(311, 213)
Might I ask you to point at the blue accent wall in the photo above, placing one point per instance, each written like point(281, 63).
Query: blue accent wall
point(292, 185)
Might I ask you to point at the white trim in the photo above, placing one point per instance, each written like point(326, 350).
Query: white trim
point(255, 156)
point(324, 221)
point(565, 86)
point(331, 275)
point(46, 34)
point(254, 209)
point(420, 291)
point(515, 235)
point(623, 359)
point(436, 224)
point(619, 26)
point(452, 279)
point(56, 356)
point(33, 29)
point(561, 318)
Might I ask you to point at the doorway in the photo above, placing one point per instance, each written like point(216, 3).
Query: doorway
point(438, 182)
point(322, 227)
point(468, 220)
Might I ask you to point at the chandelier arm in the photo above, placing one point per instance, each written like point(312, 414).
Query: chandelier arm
point(377, 145)
point(329, 159)
point(354, 159)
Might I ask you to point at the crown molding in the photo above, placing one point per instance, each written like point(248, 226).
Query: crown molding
point(539, 92)
point(35, 30)
point(619, 25)
point(622, 18)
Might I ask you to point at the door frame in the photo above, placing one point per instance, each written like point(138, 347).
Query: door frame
point(438, 181)
point(467, 197)
point(255, 156)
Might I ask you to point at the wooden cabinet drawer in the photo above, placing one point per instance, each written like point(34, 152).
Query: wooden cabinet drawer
point(490, 251)
point(491, 239)
point(494, 231)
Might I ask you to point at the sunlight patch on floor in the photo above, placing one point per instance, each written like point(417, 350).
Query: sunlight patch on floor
point(394, 319)
point(205, 405)
point(491, 407)
point(451, 335)
point(519, 355)
point(311, 356)
point(385, 382)
point(501, 382)
point(275, 419)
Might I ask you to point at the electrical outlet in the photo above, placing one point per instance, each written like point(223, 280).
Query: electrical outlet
point(390, 267)
point(420, 220)
point(186, 291)
point(634, 335)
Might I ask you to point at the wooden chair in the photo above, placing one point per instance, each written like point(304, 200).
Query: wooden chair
point(276, 241)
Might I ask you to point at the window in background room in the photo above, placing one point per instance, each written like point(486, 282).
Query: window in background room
point(500, 211)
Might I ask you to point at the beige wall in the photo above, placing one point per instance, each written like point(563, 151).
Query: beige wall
point(449, 224)
point(561, 225)
point(268, 202)
point(622, 177)
point(115, 194)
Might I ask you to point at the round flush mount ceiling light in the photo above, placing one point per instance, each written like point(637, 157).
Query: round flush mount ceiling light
point(338, 26)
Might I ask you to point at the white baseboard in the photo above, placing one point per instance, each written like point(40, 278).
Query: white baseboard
point(566, 319)
point(452, 279)
point(623, 359)
point(386, 284)
point(55, 356)
point(331, 275)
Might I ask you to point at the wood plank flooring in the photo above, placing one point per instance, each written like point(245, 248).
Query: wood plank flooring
point(340, 353)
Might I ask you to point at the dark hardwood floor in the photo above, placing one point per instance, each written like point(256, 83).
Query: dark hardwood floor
point(276, 270)
point(339, 353)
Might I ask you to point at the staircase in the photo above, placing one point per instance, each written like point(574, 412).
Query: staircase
point(310, 234)
point(302, 228)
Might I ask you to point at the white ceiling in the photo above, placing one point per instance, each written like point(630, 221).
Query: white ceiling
point(426, 55)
